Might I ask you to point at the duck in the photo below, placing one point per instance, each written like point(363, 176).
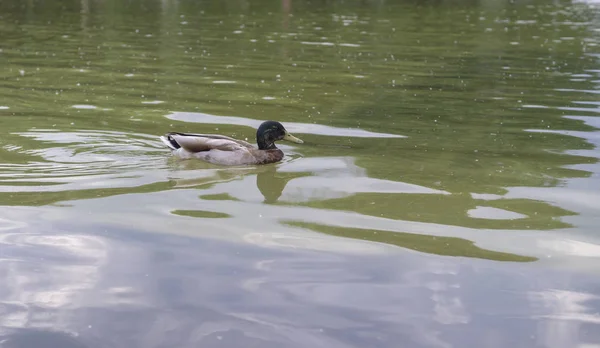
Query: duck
point(224, 150)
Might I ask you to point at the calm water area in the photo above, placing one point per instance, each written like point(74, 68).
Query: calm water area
point(446, 195)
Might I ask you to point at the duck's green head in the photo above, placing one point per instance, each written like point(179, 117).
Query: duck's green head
point(271, 131)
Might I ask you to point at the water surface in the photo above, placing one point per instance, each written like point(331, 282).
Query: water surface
point(447, 193)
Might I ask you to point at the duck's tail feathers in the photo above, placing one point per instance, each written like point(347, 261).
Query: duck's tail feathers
point(168, 140)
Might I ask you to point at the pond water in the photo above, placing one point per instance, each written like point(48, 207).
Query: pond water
point(447, 193)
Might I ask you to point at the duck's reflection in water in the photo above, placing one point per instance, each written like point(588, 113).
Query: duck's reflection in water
point(271, 184)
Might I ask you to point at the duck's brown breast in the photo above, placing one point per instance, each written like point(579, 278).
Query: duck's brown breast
point(269, 156)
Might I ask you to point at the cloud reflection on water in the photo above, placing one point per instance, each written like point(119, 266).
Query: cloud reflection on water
point(127, 288)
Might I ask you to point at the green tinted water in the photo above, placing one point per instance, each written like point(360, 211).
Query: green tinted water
point(451, 129)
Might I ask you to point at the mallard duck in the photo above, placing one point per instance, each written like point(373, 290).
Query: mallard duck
point(221, 149)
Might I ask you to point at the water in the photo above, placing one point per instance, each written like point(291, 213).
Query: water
point(447, 193)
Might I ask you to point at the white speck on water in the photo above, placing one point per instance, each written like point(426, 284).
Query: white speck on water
point(359, 76)
point(238, 32)
point(253, 40)
point(148, 35)
point(89, 326)
point(137, 30)
point(22, 72)
point(271, 41)
point(349, 45)
point(526, 21)
point(514, 43)
point(129, 75)
point(153, 102)
point(184, 22)
point(83, 106)
point(4, 107)
point(223, 82)
point(268, 98)
point(65, 36)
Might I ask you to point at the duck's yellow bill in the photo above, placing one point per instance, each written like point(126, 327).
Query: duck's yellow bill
point(292, 138)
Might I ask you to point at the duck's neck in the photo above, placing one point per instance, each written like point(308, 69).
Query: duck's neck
point(264, 145)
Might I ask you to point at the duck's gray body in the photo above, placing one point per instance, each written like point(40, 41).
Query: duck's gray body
point(218, 149)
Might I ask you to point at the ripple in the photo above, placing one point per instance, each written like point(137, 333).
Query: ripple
point(325, 43)
point(82, 160)
point(8, 225)
point(317, 43)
